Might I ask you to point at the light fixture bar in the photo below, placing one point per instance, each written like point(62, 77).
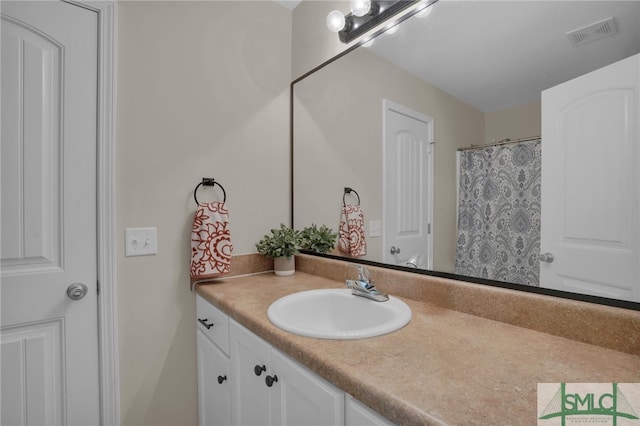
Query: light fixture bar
point(381, 10)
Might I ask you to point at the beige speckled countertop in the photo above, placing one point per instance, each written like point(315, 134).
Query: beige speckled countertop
point(444, 367)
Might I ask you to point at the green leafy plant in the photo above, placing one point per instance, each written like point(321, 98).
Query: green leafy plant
point(282, 241)
point(319, 240)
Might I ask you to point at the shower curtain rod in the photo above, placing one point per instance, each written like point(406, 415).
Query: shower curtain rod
point(506, 141)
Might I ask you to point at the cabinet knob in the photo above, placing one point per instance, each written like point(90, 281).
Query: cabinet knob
point(205, 323)
point(221, 379)
point(270, 380)
point(258, 369)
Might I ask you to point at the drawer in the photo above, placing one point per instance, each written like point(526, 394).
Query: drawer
point(213, 323)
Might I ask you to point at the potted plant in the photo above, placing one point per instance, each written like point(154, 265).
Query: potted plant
point(318, 240)
point(281, 244)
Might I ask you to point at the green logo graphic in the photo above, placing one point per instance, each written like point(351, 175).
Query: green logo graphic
point(612, 404)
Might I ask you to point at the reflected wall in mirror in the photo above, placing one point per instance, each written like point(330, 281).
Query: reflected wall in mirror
point(477, 71)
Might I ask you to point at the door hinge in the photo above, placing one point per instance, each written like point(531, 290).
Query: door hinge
point(97, 287)
point(428, 228)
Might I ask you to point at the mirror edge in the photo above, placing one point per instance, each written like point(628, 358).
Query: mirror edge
point(616, 303)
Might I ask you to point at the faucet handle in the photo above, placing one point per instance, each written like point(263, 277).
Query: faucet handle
point(363, 273)
point(366, 289)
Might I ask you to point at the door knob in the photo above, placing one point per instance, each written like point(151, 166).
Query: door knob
point(546, 257)
point(77, 291)
point(394, 250)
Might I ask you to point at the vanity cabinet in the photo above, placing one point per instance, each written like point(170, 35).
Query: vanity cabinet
point(214, 391)
point(243, 380)
point(212, 340)
point(251, 396)
point(270, 388)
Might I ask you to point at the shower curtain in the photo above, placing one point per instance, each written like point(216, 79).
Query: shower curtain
point(499, 213)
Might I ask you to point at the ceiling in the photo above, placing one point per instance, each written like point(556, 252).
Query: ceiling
point(499, 54)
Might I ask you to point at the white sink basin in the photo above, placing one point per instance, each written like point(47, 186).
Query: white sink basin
point(337, 314)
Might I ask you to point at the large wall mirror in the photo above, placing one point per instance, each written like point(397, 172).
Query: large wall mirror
point(491, 141)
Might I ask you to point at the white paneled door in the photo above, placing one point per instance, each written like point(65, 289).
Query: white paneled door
point(407, 187)
point(591, 183)
point(49, 325)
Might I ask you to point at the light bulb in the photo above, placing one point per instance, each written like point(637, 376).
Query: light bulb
point(335, 21)
point(360, 7)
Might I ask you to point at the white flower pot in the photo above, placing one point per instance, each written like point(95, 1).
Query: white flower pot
point(284, 266)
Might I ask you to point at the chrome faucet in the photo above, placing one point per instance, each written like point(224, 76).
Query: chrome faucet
point(364, 287)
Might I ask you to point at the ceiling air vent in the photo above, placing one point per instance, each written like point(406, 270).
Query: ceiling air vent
point(593, 32)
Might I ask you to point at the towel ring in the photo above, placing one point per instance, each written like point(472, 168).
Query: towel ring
point(348, 190)
point(209, 182)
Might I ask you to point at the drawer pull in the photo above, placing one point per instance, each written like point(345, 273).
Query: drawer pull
point(204, 322)
point(270, 380)
point(221, 379)
point(258, 369)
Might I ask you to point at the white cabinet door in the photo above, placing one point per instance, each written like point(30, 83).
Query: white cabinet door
point(591, 183)
point(214, 390)
point(301, 397)
point(214, 367)
point(271, 389)
point(250, 358)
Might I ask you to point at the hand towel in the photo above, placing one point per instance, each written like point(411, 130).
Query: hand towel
point(351, 231)
point(211, 246)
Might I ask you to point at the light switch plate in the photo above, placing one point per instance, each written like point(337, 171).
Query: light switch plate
point(375, 228)
point(140, 241)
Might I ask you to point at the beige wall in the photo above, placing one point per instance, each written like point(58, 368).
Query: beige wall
point(513, 123)
point(202, 91)
point(338, 131)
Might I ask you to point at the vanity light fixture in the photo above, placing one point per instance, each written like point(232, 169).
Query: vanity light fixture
point(336, 21)
point(367, 14)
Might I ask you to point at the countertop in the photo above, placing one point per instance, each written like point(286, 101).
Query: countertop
point(444, 367)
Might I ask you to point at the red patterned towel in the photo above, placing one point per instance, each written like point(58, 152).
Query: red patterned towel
point(210, 242)
point(351, 240)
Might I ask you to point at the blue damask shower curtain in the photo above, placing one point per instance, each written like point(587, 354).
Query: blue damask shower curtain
point(499, 213)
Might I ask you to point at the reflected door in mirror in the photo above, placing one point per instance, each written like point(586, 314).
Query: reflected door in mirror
point(591, 183)
point(408, 187)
